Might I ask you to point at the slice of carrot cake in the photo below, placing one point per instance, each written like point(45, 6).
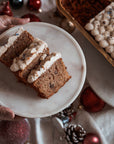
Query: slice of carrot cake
point(49, 76)
point(29, 58)
point(15, 46)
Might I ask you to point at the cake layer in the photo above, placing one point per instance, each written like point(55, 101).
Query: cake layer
point(43, 67)
point(24, 73)
point(15, 46)
point(52, 79)
point(28, 55)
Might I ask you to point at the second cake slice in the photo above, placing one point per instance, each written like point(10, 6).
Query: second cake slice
point(28, 59)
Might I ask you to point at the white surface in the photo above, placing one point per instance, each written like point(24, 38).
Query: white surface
point(49, 133)
point(101, 76)
point(100, 73)
point(23, 100)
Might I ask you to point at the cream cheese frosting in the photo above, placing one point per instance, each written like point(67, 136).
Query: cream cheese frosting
point(43, 57)
point(35, 74)
point(10, 42)
point(28, 55)
point(102, 28)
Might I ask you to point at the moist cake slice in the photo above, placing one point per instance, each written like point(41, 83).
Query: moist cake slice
point(28, 59)
point(49, 76)
point(15, 46)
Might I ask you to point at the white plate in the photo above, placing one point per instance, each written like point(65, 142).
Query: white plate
point(100, 73)
point(100, 76)
point(23, 100)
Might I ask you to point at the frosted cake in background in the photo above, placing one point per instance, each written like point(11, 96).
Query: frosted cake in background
point(101, 28)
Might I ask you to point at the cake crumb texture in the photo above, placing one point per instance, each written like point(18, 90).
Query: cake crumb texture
point(52, 80)
point(23, 41)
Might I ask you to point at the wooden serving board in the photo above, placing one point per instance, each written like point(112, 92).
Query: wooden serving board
point(62, 9)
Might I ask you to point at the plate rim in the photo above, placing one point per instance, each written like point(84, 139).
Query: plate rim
point(105, 100)
point(82, 57)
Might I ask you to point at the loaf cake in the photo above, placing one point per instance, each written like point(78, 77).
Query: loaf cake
point(29, 59)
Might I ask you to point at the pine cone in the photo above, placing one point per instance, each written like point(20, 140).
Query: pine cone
point(66, 112)
point(75, 134)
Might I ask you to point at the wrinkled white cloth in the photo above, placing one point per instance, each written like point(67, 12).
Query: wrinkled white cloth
point(43, 130)
point(101, 123)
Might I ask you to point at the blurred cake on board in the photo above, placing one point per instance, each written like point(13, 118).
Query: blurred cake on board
point(83, 12)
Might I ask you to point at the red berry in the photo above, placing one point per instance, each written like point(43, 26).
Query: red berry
point(90, 101)
point(34, 5)
point(14, 132)
point(91, 138)
point(6, 9)
point(33, 18)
